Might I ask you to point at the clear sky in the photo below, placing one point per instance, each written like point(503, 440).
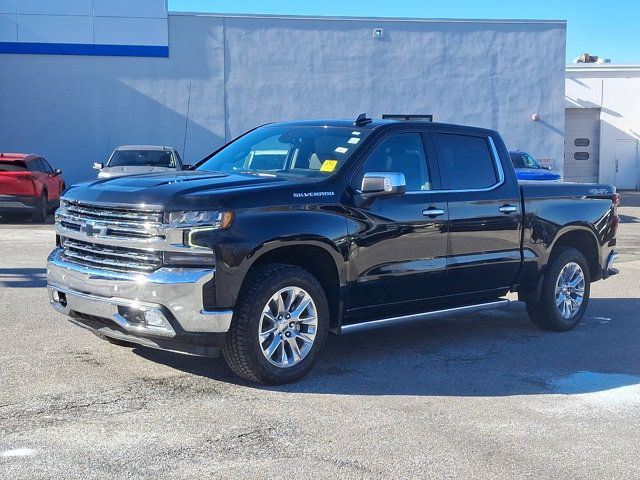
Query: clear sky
point(608, 28)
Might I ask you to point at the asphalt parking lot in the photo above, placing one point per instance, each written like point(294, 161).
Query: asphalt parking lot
point(479, 396)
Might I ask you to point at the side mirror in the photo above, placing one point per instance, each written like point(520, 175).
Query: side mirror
point(383, 184)
point(57, 171)
point(186, 166)
point(544, 167)
point(98, 166)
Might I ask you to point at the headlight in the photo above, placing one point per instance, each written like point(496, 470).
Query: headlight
point(61, 210)
point(199, 218)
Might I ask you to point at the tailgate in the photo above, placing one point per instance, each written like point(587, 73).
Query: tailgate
point(16, 183)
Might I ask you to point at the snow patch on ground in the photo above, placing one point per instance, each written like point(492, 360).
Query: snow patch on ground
point(18, 452)
point(605, 390)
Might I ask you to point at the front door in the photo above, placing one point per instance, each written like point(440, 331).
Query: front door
point(400, 241)
point(483, 255)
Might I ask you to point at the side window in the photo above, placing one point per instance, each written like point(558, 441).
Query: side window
point(403, 153)
point(35, 165)
point(529, 160)
point(465, 161)
point(45, 165)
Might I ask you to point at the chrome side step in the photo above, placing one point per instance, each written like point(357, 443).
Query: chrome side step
point(447, 312)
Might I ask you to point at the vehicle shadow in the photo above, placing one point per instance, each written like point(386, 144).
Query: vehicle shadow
point(496, 353)
point(628, 219)
point(24, 220)
point(23, 277)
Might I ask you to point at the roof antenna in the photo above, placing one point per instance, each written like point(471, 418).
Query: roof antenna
point(362, 120)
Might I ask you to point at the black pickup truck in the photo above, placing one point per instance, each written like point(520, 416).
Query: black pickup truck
point(298, 229)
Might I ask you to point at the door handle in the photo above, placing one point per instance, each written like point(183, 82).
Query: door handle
point(432, 212)
point(506, 209)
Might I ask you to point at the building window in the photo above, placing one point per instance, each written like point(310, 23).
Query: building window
point(581, 156)
point(581, 142)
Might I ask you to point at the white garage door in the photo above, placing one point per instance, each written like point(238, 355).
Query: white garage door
point(582, 145)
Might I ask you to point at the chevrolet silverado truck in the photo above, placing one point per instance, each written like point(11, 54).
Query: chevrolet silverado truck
point(298, 229)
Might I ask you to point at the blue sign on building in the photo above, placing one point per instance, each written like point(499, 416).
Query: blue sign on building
point(85, 27)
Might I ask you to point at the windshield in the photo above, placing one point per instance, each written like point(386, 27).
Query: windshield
point(298, 151)
point(523, 160)
point(142, 158)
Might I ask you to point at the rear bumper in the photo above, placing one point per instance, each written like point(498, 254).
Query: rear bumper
point(160, 310)
point(17, 203)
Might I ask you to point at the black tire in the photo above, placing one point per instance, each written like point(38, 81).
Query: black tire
point(39, 214)
point(242, 350)
point(544, 312)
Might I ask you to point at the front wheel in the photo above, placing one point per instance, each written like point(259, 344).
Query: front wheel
point(279, 326)
point(565, 292)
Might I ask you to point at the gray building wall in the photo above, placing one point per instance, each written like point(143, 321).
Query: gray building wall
point(240, 71)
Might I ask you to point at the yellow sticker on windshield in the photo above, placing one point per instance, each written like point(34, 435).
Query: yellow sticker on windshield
point(328, 165)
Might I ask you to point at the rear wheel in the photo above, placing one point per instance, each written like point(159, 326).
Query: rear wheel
point(40, 210)
point(279, 326)
point(565, 292)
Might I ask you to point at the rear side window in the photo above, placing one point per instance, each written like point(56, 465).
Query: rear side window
point(465, 161)
point(517, 160)
point(34, 165)
point(12, 166)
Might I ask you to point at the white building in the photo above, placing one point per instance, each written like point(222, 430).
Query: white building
point(78, 78)
point(602, 124)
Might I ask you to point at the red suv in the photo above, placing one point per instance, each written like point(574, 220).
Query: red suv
point(28, 184)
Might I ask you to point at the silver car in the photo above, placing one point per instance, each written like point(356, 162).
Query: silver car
point(136, 159)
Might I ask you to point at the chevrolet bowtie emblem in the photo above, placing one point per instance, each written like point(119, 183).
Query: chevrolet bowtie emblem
point(90, 229)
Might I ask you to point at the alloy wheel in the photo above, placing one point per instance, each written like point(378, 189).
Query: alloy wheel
point(287, 329)
point(570, 288)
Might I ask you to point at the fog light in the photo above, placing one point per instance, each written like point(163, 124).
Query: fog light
point(144, 321)
point(151, 317)
point(59, 298)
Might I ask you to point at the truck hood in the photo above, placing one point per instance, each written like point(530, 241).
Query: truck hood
point(175, 190)
point(108, 172)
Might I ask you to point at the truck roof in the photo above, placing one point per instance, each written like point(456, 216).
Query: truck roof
point(377, 123)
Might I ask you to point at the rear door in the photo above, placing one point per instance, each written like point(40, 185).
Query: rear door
point(483, 197)
point(39, 178)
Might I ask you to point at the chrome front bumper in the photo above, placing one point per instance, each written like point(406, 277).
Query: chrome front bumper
point(608, 270)
point(165, 303)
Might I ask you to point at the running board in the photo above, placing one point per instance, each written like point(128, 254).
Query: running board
point(447, 312)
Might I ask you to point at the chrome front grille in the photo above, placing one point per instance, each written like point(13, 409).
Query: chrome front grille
point(123, 223)
point(110, 257)
point(116, 238)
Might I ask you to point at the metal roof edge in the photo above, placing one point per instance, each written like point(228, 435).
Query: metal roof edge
point(602, 67)
point(371, 19)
